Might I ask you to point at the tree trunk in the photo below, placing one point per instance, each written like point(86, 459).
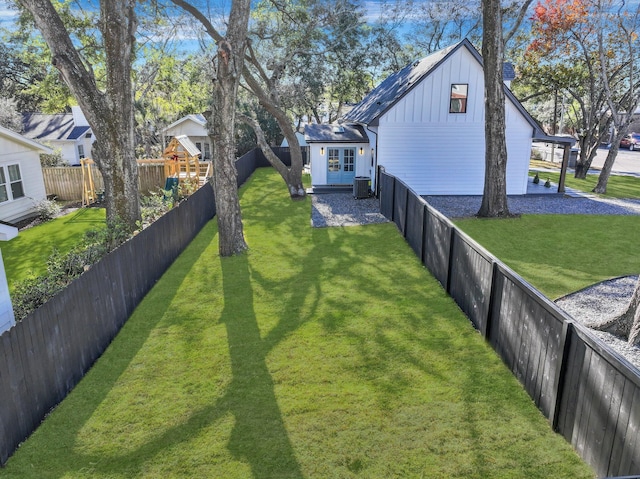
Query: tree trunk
point(229, 63)
point(603, 178)
point(291, 176)
point(627, 324)
point(110, 113)
point(494, 198)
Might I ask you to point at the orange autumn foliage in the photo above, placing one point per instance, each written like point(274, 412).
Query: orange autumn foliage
point(553, 19)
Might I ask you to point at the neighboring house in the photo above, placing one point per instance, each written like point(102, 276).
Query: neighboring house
point(193, 126)
point(425, 125)
point(68, 132)
point(21, 183)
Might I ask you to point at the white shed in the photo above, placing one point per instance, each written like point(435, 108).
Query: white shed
point(426, 126)
point(21, 182)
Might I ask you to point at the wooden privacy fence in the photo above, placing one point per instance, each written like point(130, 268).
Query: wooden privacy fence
point(44, 356)
point(65, 182)
point(589, 393)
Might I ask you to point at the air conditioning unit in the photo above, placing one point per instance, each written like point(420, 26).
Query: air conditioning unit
point(361, 187)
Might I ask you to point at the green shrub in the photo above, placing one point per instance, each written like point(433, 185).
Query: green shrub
point(47, 210)
point(155, 205)
point(32, 292)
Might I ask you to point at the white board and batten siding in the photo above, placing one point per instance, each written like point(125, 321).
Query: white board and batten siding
point(440, 153)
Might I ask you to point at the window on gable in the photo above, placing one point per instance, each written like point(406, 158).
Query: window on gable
point(458, 101)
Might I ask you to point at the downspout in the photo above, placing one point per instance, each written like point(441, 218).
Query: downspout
point(374, 165)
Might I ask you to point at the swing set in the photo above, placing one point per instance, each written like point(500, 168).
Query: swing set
point(181, 160)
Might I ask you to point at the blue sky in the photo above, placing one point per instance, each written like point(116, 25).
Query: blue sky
point(7, 14)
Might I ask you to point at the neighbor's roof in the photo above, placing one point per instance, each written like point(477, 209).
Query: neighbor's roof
point(396, 86)
point(23, 140)
point(56, 127)
point(344, 133)
point(196, 117)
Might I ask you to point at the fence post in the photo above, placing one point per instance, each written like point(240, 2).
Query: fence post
point(393, 200)
point(486, 328)
point(452, 240)
point(561, 370)
point(423, 234)
point(406, 214)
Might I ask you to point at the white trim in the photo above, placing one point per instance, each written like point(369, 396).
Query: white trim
point(23, 140)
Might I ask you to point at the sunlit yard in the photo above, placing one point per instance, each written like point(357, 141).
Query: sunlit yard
point(29, 251)
point(560, 254)
point(322, 353)
point(618, 186)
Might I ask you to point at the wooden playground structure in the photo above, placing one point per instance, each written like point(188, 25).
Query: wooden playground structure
point(182, 165)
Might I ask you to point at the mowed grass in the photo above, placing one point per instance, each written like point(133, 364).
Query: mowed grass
point(30, 250)
point(321, 353)
point(560, 254)
point(618, 186)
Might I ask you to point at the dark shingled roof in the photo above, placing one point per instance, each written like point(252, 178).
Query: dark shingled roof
point(391, 90)
point(385, 95)
point(77, 132)
point(47, 127)
point(344, 133)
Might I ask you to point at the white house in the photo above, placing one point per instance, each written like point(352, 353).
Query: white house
point(68, 132)
point(21, 182)
point(7, 318)
point(194, 127)
point(425, 125)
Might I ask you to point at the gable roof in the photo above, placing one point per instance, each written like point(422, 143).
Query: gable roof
point(23, 140)
point(344, 133)
point(396, 86)
point(195, 117)
point(56, 127)
point(188, 145)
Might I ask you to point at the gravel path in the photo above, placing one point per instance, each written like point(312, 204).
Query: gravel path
point(467, 206)
point(341, 209)
point(601, 301)
point(596, 302)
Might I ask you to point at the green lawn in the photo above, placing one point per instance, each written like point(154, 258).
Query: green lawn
point(29, 251)
point(560, 254)
point(618, 186)
point(322, 353)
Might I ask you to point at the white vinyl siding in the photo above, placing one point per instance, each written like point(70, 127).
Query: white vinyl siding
point(31, 181)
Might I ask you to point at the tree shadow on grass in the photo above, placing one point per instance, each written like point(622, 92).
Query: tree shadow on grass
point(259, 435)
point(60, 431)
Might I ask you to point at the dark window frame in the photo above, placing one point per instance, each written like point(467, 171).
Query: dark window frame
point(458, 103)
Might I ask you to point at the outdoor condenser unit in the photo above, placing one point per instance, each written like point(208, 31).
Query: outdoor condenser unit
point(361, 187)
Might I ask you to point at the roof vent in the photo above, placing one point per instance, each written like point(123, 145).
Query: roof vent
point(416, 63)
point(338, 129)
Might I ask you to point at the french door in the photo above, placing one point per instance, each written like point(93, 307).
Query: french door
point(341, 166)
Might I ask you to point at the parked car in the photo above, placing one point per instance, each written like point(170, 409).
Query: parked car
point(631, 141)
